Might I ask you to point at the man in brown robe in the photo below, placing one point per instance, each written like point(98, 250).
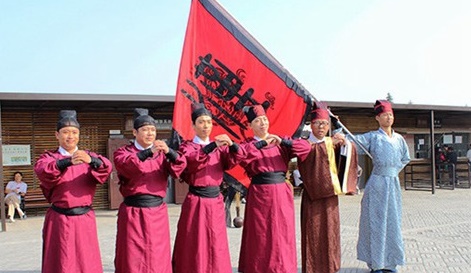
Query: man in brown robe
point(323, 181)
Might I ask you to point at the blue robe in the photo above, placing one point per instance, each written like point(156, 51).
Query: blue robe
point(380, 242)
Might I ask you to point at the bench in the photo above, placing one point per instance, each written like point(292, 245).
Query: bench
point(35, 199)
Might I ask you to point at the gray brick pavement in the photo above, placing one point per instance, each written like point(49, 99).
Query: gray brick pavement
point(436, 228)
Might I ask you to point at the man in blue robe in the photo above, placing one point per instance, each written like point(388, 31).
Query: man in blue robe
point(380, 242)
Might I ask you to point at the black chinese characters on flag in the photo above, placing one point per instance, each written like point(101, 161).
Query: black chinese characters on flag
point(225, 68)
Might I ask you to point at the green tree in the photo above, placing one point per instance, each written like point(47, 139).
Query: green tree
point(389, 97)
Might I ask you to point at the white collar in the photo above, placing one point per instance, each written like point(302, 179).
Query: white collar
point(198, 140)
point(62, 151)
point(314, 139)
point(258, 138)
point(384, 132)
point(139, 147)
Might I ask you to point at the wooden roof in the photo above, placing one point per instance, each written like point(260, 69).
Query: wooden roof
point(165, 103)
point(85, 102)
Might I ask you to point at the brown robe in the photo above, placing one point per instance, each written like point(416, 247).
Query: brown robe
point(320, 220)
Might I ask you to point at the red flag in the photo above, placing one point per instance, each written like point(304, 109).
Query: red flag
point(225, 68)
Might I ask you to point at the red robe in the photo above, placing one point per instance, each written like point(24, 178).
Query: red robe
point(320, 220)
point(70, 243)
point(201, 244)
point(143, 235)
point(269, 237)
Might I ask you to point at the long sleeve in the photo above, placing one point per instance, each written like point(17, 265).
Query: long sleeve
point(127, 161)
point(148, 175)
point(74, 185)
point(177, 166)
point(364, 140)
point(47, 171)
point(300, 148)
point(101, 173)
point(232, 156)
point(195, 156)
point(405, 153)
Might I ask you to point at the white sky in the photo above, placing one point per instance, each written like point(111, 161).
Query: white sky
point(417, 50)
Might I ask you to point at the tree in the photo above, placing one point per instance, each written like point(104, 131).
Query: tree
point(389, 97)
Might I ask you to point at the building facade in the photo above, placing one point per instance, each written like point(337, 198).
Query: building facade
point(28, 122)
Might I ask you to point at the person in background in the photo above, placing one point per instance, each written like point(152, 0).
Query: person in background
point(69, 177)
point(298, 182)
point(380, 242)
point(15, 190)
point(324, 180)
point(201, 243)
point(230, 187)
point(440, 159)
point(229, 193)
point(445, 161)
point(268, 237)
point(143, 233)
point(468, 154)
point(452, 158)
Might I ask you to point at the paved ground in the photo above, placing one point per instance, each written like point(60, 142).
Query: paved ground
point(436, 228)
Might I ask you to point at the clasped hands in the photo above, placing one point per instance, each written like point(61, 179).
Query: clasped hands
point(160, 146)
point(223, 140)
point(273, 139)
point(80, 156)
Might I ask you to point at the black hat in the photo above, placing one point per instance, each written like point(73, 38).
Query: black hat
point(142, 118)
point(254, 111)
point(67, 118)
point(198, 110)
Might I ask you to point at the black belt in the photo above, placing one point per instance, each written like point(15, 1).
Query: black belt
point(207, 192)
point(72, 211)
point(143, 200)
point(269, 178)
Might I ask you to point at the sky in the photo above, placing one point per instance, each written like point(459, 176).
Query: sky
point(419, 51)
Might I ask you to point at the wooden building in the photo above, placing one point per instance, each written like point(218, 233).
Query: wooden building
point(106, 121)
point(29, 120)
point(450, 125)
point(424, 127)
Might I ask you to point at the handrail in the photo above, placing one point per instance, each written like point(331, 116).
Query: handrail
point(417, 175)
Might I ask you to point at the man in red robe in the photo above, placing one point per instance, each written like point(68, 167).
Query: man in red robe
point(68, 178)
point(320, 221)
point(201, 244)
point(143, 235)
point(268, 237)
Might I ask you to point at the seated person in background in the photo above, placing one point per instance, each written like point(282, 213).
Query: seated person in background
point(15, 190)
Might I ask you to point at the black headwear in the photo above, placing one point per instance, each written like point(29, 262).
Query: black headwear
point(67, 118)
point(253, 111)
point(142, 118)
point(198, 110)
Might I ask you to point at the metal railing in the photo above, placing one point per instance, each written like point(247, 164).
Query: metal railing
point(418, 176)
